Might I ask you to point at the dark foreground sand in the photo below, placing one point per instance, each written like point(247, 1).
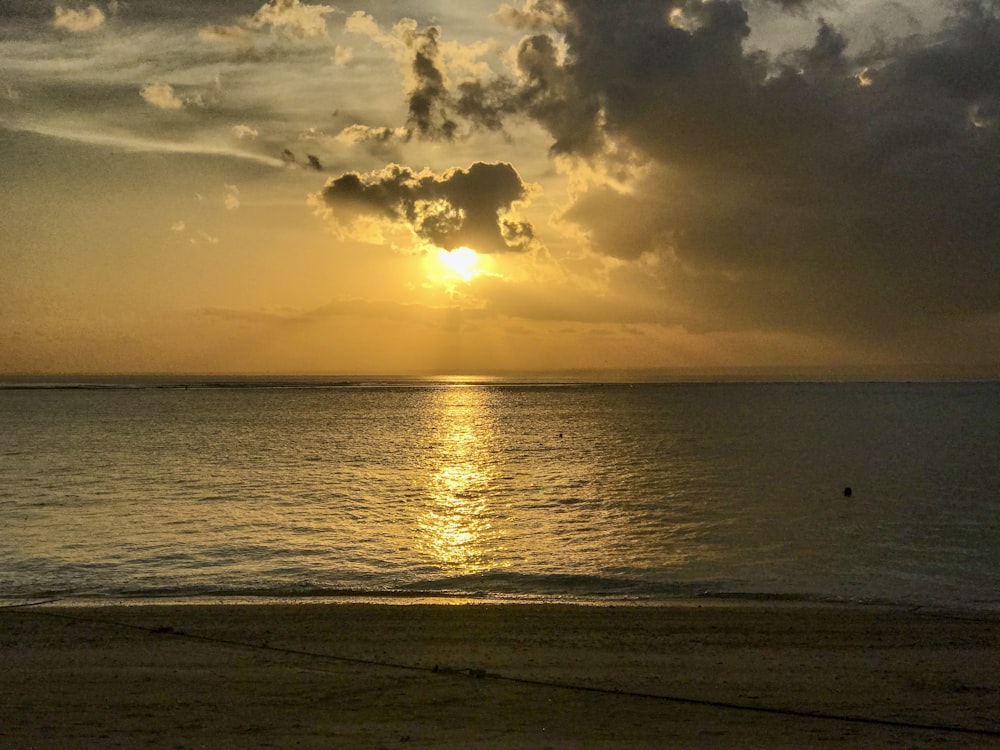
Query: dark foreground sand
point(486, 676)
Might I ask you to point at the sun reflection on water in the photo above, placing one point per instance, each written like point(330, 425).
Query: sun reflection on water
point(457, 527)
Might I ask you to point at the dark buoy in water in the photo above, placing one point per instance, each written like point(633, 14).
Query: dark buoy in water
point(847, 491)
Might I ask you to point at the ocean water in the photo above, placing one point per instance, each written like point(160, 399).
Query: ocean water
point(576, 491)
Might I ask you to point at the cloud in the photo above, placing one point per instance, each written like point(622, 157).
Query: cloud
point(127, 142)
point(231, 197)
point(474, 207)
point(361, 23)
point(287, 19)
point(428, 99)
point(735, 165)
point(541, 89)
point(777, 191)
point(291, 17)
point(245, 132)
point(78, 21)
point(354, 135)
point(161, 95)
point(419, 50)
point(828, 188)
point(342, 55)
point(535, 15)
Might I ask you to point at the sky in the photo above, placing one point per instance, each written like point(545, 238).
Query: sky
point(400, 187)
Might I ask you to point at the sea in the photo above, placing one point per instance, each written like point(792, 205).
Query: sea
point(456, 489)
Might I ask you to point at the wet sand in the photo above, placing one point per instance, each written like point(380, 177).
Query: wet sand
point(320, 675)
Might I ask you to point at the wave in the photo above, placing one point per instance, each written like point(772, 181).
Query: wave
point(489, 586)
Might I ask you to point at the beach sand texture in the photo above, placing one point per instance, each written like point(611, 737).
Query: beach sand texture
point(320, 675)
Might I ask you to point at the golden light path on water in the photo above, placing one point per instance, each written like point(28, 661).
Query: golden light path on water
point(457, 525)
point(476, 488)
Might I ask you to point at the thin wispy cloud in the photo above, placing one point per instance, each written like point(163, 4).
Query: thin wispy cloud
point(128, 143)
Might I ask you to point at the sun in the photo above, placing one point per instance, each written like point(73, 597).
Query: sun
point(462, 262)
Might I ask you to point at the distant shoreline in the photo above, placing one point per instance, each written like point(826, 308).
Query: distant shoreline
point(195, 382)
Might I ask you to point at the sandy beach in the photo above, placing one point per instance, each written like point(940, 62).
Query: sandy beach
point(324, 675)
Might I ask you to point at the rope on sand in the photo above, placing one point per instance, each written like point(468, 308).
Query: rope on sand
point(22, 605)
point(482, 674)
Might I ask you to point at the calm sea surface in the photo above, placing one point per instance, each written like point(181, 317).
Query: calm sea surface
point(580, 492)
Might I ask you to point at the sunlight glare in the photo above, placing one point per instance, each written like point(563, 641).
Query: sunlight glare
point(462, 262)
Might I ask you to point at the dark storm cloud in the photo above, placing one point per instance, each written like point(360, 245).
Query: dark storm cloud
point(470, 207)
point(815, 189)
point(551, 95)
point(429, 98)
point(545, 92)
point(486, 104)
